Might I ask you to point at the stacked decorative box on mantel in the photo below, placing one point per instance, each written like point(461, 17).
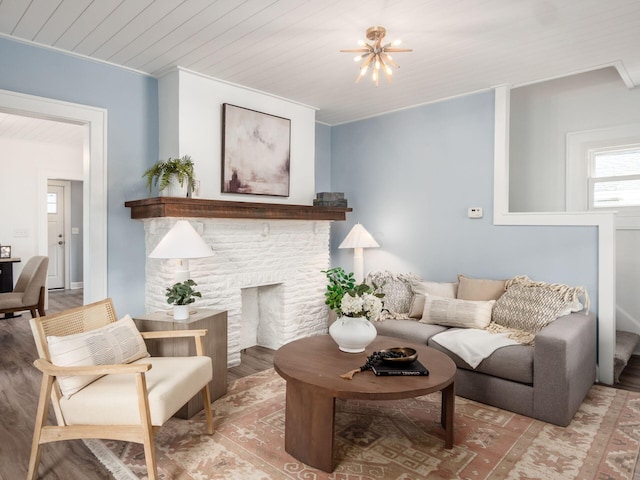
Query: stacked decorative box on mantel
point(278, 262)
point(330, 199)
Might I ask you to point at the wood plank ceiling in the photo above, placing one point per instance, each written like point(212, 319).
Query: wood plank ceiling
point(291, 48)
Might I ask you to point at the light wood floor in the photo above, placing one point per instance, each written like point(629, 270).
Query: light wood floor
point(19, 389)
point(71, 460)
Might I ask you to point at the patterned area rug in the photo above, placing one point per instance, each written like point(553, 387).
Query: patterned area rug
point(400, 440)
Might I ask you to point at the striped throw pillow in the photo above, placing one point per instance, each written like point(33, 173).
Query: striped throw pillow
point(118, 342)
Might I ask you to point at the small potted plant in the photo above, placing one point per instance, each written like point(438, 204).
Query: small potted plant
point(174, 177)
point(355, 305)
point(181, 295)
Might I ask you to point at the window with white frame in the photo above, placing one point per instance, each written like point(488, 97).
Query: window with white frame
point(52, 203)
point(614, 177)
point(603, 173)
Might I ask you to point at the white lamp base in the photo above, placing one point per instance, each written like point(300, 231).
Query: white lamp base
point(358, 264)
point(182, 272)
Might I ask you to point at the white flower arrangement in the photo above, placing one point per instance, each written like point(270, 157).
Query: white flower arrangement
point(365, 305)
point(350, 300)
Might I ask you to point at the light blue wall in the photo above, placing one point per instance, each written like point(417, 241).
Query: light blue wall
point(323, 158)
point(410, 177)
point(132, 103)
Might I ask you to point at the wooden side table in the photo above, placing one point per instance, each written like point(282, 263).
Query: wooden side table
point(6, 274)
point(214, 343)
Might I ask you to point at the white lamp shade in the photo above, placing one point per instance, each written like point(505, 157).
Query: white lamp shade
point(358, 237)
point(182, 241)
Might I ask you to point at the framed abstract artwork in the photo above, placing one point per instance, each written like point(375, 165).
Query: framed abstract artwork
point(256, 152)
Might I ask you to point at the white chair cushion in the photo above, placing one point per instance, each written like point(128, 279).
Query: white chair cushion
point(113, 400)
point(115, 343)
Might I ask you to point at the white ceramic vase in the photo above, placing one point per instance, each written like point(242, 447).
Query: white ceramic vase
point(352, 335)
point(181, 312)
point(174, 189)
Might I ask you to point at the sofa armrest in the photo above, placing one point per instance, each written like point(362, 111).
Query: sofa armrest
point(564, 366)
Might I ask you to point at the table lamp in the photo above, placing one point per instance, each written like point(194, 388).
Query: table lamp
point(358, 239)
point(182, 242)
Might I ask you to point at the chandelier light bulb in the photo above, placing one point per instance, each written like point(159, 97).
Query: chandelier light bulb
point(376, 54)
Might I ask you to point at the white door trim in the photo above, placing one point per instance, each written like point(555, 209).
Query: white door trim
point(94, 181)
point(605, 221)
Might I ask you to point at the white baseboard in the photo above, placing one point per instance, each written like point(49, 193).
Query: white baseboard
point(77, 285)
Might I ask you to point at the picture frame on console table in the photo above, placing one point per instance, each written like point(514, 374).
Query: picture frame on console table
point(256, 152)
point(5, 251)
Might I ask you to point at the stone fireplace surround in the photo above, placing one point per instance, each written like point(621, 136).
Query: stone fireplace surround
point(275, 254)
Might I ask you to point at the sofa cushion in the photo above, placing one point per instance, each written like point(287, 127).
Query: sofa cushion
point(117, 342)
point(397, 292)
point(479, 288)
point(408, 330)
point(452, 312)
point(420, 289)
point(513, 363)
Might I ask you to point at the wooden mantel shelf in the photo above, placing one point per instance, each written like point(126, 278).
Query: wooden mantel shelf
point(203, 208)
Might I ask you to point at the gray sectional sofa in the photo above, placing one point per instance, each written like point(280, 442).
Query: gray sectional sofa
point(547, 380)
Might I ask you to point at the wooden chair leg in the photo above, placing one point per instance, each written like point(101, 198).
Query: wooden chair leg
point(206, 398)
point(41, 311)
point(147, 429)
point(150, 455)
point(41, 419)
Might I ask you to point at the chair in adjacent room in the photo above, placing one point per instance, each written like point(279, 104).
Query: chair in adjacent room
point(103, 384)
point(28, 294)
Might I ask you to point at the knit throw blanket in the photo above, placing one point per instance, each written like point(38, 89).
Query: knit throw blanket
point(526, 307)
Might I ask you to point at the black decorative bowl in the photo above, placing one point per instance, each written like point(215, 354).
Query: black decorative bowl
point(408, 355)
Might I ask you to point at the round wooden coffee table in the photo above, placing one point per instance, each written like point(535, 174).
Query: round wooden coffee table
point(312, 367)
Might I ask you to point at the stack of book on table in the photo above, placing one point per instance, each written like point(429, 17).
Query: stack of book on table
point(388, 369)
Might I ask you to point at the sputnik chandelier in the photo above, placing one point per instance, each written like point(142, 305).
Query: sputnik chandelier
point(376, 54)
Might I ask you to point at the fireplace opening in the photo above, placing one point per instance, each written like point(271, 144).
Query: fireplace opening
point(262, 313)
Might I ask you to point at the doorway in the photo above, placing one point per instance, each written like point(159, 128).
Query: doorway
point(94, 181)
point(58, 195)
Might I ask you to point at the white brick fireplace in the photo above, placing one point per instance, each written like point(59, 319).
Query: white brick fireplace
point(265, 273)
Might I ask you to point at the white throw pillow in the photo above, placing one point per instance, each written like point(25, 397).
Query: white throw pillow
point(453, 312)
point(396, 288)
point(118, 342)
point(420, 289)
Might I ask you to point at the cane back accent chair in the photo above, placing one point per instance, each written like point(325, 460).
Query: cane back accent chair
point(128, 401)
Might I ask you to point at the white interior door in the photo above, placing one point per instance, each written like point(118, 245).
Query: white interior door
point(56, 240)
